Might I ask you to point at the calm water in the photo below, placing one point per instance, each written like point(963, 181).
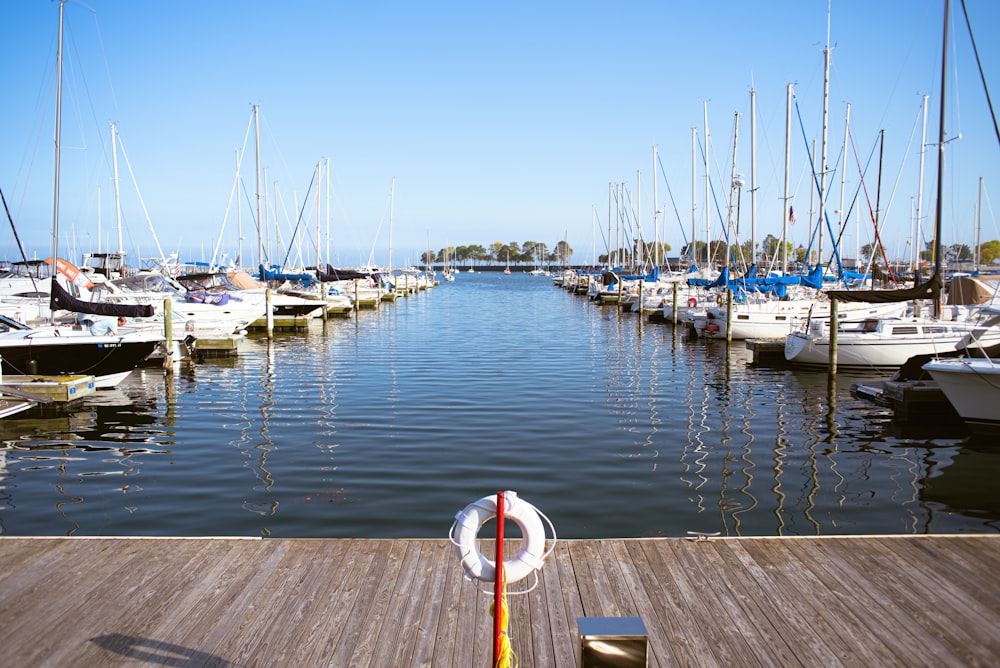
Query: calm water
point(387, 424)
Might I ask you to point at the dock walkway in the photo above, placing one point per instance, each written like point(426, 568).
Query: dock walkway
point(831, 601)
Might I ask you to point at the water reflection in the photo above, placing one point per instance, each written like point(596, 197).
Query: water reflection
point(387, 423)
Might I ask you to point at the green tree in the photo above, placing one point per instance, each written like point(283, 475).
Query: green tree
point(989, 251)
point(770, 248)
point(562, 253)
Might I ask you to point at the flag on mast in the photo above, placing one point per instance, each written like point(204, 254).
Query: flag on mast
point(791, 215)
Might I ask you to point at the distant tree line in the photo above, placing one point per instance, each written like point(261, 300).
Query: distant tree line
point(513, 253)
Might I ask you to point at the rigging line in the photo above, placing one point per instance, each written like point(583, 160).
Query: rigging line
point(298, 222)
point(822, 214)
point(895, 185)
point(235, 191)
point(982, 75)
point(715, 198)
point(871, 213)
point(139, 195)
point(17, 238)
point(671, 194)
point(854, 197)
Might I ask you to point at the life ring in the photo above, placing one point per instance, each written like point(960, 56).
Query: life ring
point(692, 302)
point(719, 300)
point(466, 528)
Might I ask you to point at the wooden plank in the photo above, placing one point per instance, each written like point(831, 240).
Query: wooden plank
point(812, 601)
point(371, 607)
point(660, 652)
point(678, 613)
point(936, 609)
point(447, 630)
point(757, 620)
point(553, 617)
point(768, 564)
point(846, 597)
point(698, 587)
point(396, 629)
point(338, 599)
point(438, 560)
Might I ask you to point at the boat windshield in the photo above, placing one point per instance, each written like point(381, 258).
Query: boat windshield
point(207, 282)
point(10, 325)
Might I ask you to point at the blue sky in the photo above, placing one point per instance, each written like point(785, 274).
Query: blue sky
point(499, 121)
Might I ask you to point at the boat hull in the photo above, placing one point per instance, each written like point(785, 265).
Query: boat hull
point(890, 346)
point(68, 354)
point(973, 388)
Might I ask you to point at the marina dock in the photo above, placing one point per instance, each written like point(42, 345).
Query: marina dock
point(930, 600)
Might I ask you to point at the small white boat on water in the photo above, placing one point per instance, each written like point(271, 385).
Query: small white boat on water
point(888, 342)
point(972, 385)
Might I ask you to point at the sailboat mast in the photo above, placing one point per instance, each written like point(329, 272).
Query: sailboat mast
point(753, 176)
point(392, 205)
point(640, 243)
point(319, 209)
point(694, 193)
point(915, 250)
point(239, 217)
point(656, 229)
point(735, 184)
point(841, 223)
point(327, 211)
point(786, 207)
point(58, 140)
point(708, 196)
point(822, 163)
point(940, 145)
point(260, 221)
point(979, 225)
point(610, 195)
point(114, 179)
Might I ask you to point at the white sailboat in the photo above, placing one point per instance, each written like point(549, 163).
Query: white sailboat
point(972, 384)
point(890, 342)
point(70, 349)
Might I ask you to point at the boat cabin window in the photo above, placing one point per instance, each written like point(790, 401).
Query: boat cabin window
point(905, 329)
point(869, 325)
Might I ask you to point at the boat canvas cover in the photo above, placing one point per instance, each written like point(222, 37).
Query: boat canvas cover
point(967, 291)
point(61, 299)
point(930, 289)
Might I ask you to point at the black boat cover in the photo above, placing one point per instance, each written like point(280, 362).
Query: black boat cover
point(60, 299)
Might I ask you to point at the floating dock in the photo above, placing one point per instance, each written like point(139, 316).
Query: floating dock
point(53, 388)
point(227, 346)
point(767, 352)
point(828, 601)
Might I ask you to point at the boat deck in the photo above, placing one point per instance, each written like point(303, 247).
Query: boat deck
point(832, 601)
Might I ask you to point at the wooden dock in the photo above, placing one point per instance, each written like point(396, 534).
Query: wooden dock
point(832, 601)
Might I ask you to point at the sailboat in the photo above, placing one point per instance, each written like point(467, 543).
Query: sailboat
point(72, 349)
point(972, 385)
point(890, 342)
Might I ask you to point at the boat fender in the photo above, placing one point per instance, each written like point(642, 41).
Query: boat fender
point(466, 531)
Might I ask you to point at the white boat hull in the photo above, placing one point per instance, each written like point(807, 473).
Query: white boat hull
point(889, 346)
point(973, 388)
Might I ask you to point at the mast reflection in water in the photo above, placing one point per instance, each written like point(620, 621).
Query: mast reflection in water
point(386, 423)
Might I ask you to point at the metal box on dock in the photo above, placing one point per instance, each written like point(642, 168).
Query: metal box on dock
point(613, 642)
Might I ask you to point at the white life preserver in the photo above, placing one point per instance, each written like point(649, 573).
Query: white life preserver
point(466, 528)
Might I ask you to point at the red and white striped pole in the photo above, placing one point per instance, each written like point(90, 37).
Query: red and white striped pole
point(498, 583)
